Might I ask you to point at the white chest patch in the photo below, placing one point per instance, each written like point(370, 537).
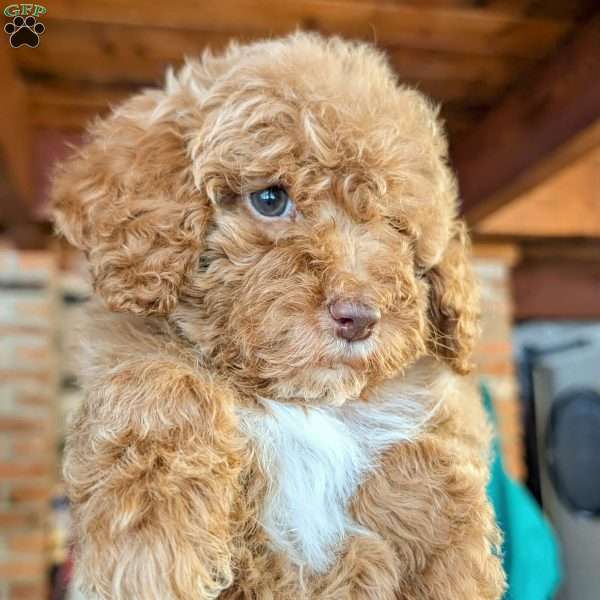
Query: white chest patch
point(315, 459)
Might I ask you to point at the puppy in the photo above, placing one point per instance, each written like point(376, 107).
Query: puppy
point(275, 402)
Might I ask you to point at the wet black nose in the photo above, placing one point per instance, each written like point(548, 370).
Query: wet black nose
point(353, 321)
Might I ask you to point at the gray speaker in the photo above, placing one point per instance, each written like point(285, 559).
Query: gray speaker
point(567, 408)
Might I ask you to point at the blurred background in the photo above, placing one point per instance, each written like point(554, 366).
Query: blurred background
point(519, 86)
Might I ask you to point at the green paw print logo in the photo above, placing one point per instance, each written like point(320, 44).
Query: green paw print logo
point(25, 29)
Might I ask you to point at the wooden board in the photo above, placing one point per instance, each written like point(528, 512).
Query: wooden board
point(105, 54)
point(456, 51)
point(557, 289)
point(388, 24)
point(549, 120)
point(557, 9)
point(15, 148)
point(463, 53)
point(101, 53)
point(565, 205)
point(71, 106)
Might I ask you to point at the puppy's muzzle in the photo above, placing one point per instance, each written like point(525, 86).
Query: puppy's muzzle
point(354, 321)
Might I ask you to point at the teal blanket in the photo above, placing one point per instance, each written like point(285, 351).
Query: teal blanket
point(530, 550)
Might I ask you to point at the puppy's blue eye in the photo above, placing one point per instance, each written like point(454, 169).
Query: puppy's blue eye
point(271, 202)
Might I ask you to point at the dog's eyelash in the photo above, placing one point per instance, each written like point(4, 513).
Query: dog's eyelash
point(203, 263)
point(420, 272)
point(397, 225)
point(403, 229)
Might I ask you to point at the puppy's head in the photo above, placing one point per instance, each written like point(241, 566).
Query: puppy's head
point(290, 208)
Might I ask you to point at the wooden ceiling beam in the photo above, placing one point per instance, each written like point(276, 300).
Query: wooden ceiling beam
point(553, 278)
point(566, 204)
point(63, 104)
point(109, 54)
point(544, 247)
point(550, 120)
point(15, 140)
point(17, 215)
point(458, 54)
point(557, 9)
point(469, 30)
point(71, 105)
point(556, 288)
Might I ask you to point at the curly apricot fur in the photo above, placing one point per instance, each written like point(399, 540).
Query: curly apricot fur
point(203, 309)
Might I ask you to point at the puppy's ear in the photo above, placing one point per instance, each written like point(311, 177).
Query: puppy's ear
point(454, 304)
point(127, 198)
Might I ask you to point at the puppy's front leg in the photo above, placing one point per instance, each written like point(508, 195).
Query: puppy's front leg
point(152, 465)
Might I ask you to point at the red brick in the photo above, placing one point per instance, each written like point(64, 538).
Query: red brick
point(15, 519)
point(8, 259)
point(35, 260)
point(489, 366)
point(20, 424)
point(40, 307)
point(18, 330)
point(508, 409)
point(22, 568)
point(32, 542)
point(33, 399)
point(21, 493)
point(29, 591)
point(15, 470)
point(495, 347)
point(28, 455)
point(33, 446)
point(14, 376)
point(38, 353)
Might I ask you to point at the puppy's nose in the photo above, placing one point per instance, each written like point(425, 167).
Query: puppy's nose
point(353, 321)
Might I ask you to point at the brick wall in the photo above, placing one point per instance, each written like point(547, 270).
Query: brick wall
point(494, 354)
point(28, 445)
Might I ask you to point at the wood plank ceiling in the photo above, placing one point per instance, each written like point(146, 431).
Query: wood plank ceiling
point(464, 53)
point(565, 205)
